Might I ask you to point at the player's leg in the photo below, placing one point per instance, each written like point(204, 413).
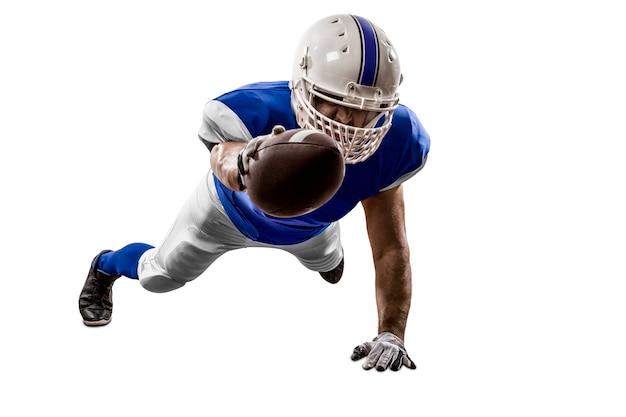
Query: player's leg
point(323, 253)
point(201, 234)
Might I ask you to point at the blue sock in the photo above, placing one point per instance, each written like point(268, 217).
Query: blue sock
point(123, 261)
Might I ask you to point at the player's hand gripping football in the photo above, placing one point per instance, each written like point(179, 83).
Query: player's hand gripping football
point(386, 351)
point(244, 156)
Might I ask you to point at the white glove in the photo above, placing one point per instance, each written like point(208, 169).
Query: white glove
point(243, 160)
point(385, 351)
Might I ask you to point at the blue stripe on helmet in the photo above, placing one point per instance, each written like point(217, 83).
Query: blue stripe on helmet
point(369, 60)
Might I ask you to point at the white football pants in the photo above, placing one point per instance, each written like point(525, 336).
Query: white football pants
point(202, 232)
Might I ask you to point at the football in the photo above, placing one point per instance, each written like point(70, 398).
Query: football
point(294, 172)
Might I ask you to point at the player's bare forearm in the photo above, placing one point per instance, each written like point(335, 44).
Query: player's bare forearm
point(390, 250)
point(224, 162)
point(393, 292)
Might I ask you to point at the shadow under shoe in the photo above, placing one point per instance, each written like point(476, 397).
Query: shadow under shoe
point(96, 299)
point(334, 275)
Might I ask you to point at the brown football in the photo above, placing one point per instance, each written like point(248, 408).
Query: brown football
point(294, 172)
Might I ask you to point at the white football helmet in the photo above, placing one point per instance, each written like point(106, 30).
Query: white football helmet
point(349, 61)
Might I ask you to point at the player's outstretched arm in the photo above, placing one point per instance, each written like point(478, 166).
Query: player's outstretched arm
point(224, 162)
point(229, 160)
point(384, 214)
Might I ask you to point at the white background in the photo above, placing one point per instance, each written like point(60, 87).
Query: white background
point(516, 224)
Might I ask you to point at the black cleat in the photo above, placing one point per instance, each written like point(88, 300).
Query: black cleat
point(334, 275)
point(96, 299)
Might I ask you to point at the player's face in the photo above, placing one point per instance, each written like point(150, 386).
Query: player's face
point(341, 114)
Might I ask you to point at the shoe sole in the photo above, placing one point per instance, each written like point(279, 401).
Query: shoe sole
point(96, 323)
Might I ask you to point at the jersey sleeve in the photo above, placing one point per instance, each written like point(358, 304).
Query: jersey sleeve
point(221, 124)
point(416, 146)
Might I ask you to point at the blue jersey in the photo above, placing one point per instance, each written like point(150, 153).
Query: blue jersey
point(259, 107)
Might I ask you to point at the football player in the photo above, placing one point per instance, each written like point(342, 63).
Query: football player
point(346, 75)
